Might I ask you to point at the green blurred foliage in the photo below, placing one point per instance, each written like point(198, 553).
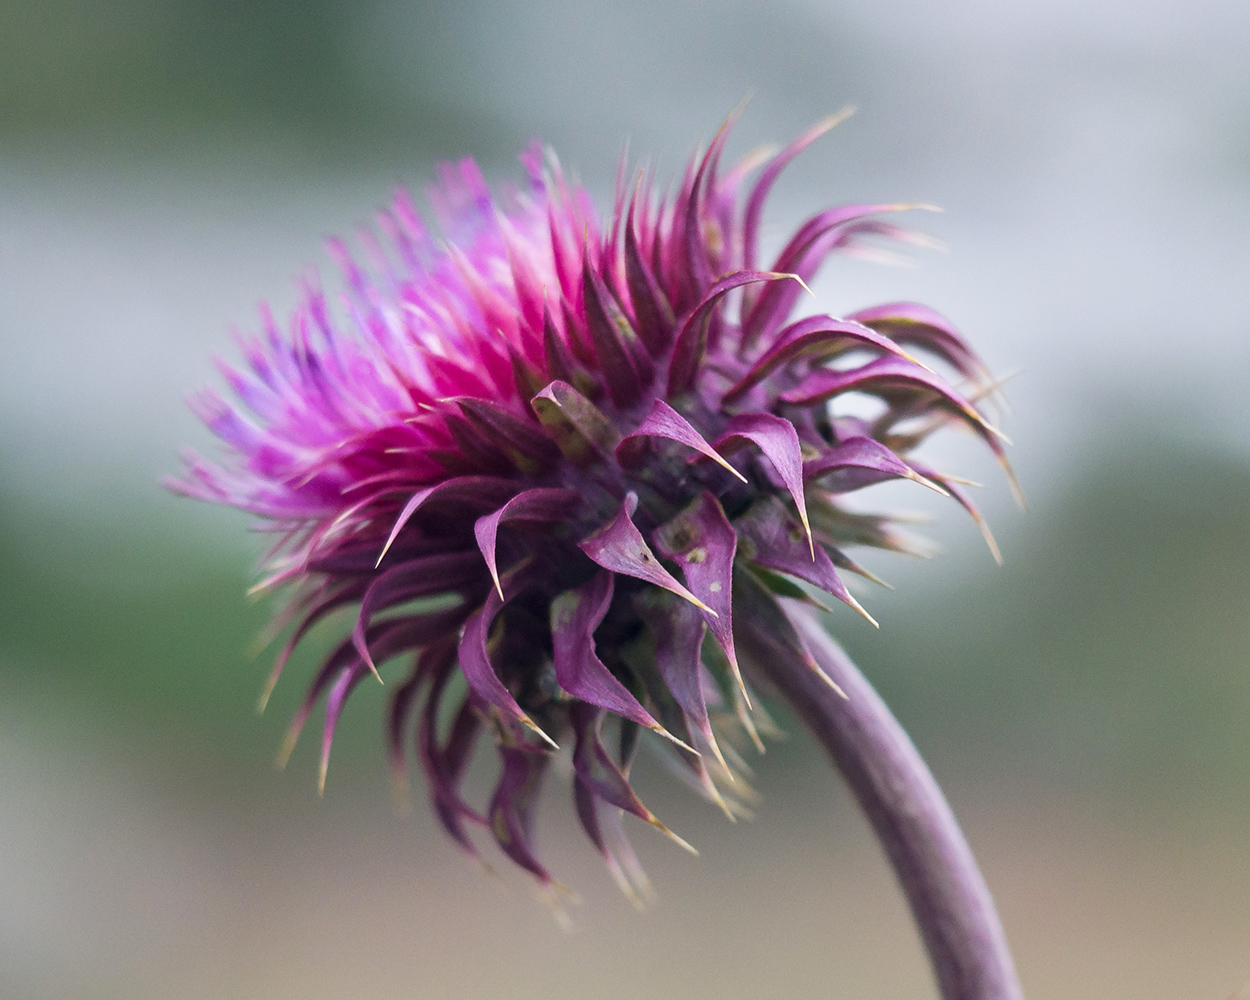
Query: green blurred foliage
point(143, 635)
point(158, 74)
point(126, 627)
point(1111, 652)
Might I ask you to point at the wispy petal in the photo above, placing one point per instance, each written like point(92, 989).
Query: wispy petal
point(619, 546)
point(702, 542)
point(859, 462)
point(575, 614)
point(769, 536)
point(816, 338)
point(483, 492)
point(665, 422)
point(612, 334)
point(475, 662)
point(779, 441)
point(541, 505)
point(691, 346)
point(765, 632)
point(575, 424)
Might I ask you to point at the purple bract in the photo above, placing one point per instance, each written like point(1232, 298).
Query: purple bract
point(581, 465)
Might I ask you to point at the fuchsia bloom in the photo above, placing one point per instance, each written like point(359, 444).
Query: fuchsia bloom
point(583, 465)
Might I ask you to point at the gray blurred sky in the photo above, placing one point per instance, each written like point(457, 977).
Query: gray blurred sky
point(169, 164)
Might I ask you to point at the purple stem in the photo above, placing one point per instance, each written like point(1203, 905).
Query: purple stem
point(911, 817)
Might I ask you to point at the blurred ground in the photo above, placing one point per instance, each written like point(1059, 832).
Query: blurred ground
point(148, 850)
point(164, 164)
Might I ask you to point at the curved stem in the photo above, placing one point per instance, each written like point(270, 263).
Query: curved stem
point(948, 896)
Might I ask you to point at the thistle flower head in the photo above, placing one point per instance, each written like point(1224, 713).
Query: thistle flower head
point(569, 472)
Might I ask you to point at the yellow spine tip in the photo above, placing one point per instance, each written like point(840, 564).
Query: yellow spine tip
point(529, 723)
point(287, 748)
point(696, 602)
point(685, 845)
point(720, 758)
point(657, 728)
point(799, 279)
point(860, 608)
point(724, 464)
point(925, 481)
point(807, 530)
point(745, 718)
point(838, 690)
point(742, 685)
point(908, 356)
point(263, 701)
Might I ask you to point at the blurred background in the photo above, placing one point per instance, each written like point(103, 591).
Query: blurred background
point(167, 164)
